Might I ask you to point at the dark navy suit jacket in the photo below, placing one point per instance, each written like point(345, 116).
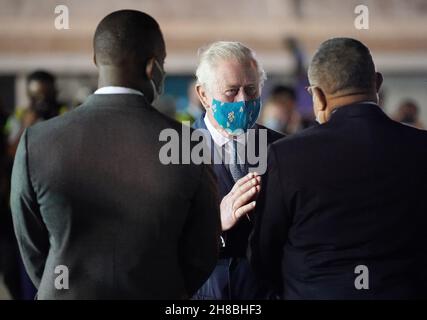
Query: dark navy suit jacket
point(348, 193)
point(237, 237)
point(233, 278)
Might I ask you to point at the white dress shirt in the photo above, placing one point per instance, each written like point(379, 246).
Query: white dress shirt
point(117, 90)
point(222, 141)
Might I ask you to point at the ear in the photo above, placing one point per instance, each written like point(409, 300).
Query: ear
point(203, 97)
point(94, 59)
point(149, 68)
point(378, 81)
point(319, 98)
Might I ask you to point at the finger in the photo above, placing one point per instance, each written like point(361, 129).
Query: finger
point(246, 178)
point(242, 181)
point(245, 198)
point(258, 191)
point(245, 187)
point(244, 210)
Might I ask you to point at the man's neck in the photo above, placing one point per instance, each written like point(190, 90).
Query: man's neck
point(104, 81)
point(340, 101)
point(110, 76)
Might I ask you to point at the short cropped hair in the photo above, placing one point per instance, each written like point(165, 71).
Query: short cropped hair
point(127, 33)
point(342, 64)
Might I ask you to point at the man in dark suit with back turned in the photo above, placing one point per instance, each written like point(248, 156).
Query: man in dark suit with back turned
point(342, 214)
point(90, 194)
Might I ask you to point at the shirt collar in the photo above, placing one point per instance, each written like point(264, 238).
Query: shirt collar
point(117, 90)
point(218, 138)
point(368, 102)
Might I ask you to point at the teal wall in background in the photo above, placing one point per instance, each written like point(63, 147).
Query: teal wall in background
point(177, 87)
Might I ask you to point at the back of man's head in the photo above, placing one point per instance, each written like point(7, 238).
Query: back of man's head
point(127, 36)
point(342, 65)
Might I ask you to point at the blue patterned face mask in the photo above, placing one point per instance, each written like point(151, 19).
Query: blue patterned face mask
point(236, 117)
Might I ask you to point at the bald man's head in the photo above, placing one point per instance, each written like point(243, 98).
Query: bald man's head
point(127, 37)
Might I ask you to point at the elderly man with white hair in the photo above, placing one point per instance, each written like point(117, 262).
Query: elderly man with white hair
point(229, 83)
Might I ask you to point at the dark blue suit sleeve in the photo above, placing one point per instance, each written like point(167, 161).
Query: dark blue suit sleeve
point(270, 228)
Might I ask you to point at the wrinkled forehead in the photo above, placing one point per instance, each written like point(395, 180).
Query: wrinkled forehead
point(234, 73)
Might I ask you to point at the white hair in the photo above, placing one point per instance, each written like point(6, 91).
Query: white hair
point(223, 50)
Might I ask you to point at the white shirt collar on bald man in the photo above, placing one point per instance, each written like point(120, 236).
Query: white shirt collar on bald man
point(117, 90)
point(218, 138)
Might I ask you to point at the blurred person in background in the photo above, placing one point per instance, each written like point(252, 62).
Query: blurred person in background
point(279, 112)
point(4, 186)
point(408, 113)
point(43, 105)
point(9, 255)
point(303, 99)
point(3, 119)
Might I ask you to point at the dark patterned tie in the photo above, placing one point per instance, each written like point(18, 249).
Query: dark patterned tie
point(237, 170)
